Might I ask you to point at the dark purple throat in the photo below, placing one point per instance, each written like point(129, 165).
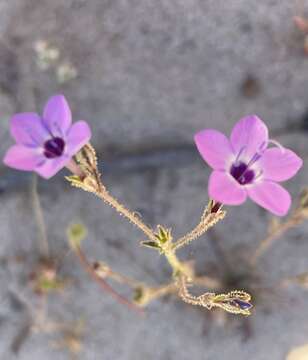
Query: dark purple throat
point(54, 147)
point(242, 174)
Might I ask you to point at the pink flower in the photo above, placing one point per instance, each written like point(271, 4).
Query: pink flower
point(245, 166)
point(46, 144)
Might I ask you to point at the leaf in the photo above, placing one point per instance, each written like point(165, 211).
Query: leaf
point(298, 353)
point(138, 294)
point(46, 285)
point(87, 184)
point(76, 233)
point(74, 180)
point(163, 235)
point(151, 244)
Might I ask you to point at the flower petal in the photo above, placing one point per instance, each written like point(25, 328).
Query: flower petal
point(249, 136)
point(271, 196)
point(22, 158)
point(57, 115)
point(279, 164)
point(51, 166)
point(28, 129)
point(214, 147)
point(224, 189)
point(78, 135)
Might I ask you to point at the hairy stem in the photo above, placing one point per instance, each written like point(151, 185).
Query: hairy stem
point(150, 293)
point(134, 219)
point(104, 271)
point(208, 220)
point(178, 266)
point(275, 235)
point(184, 293)
point(103, 284)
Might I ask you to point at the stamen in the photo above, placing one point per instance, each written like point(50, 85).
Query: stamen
point(56, 125)
point(239, 154)
point(258, 154)
point(255, 158)
point(241, 171)
point(263, 146)
point(282, 148)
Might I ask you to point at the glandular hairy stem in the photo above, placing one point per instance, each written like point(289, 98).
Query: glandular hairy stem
point(103, 284)
point(208, 220)
point(122, 210)
point(88, 178)
point(235, 302)
point(295, 219)
point(178, 267)
point(104, 271)
point(147, 294)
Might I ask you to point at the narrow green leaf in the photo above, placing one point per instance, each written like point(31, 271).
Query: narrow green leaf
point(151, 244)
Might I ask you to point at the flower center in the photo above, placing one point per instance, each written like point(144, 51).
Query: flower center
point(54, 147)
point(242, 174)
point(241, 171)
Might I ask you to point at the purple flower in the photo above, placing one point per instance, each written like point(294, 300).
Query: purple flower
point(46, 144)
point(245, 166)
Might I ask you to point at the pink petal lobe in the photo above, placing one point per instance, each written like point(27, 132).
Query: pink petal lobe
point(22, 158)
point(28, 129)
point(57, 115)
point(249, 135)
point(224, 189)
point(78, 135)
point(279, 164)
point(214, 147)
point(271, 196)
point(51, 166)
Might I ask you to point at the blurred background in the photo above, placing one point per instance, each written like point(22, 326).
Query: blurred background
point(147, 75)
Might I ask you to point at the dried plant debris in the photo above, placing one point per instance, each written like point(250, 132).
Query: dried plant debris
point(49, 57)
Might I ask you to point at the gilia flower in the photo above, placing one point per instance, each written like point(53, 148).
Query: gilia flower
point(245, 166)
point(46, 144)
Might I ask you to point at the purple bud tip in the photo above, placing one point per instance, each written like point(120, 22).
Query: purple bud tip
point(242, 304)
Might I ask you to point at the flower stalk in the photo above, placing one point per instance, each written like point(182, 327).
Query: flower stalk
point(235, 302)
point(38, 213)
point(102, 283)
point(122, 210)
point(209, 219)
point(298, 216)
point(161, 240)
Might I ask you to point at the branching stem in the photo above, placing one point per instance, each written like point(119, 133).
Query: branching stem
point(103, 284)
point(208, 220)
point(275, 235)
point(121, 209)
